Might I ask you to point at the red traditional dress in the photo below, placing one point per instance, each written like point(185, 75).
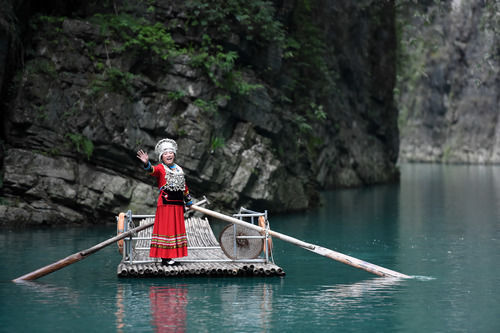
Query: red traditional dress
point(169, 231)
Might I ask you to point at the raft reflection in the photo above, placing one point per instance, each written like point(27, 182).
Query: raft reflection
point(195, 305)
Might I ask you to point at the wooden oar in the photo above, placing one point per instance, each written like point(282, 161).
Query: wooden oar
point(381, 271)
point(78, 256)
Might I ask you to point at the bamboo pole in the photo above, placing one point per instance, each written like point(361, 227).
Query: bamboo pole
point(79, 255)
point(369, 267)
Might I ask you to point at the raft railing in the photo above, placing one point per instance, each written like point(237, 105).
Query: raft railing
point(266, 237)
point(266, 257)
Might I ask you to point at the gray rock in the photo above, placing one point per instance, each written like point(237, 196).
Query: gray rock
point(451, 112)
point(81, 109)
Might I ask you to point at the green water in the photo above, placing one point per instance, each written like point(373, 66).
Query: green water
point(440, 224)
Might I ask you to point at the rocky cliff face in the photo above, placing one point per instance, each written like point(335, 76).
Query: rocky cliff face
point(450, 94)
point(262, 120)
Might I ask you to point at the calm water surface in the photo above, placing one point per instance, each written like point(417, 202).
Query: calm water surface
point(440, 224)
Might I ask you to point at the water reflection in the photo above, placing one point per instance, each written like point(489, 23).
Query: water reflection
point(48, 293)
point(160, 308)
point(163, 306)
point(349, 295)
point(168, 308)
point(120, 309)
point(258, 309)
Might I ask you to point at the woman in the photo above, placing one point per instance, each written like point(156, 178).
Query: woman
point(169, 231)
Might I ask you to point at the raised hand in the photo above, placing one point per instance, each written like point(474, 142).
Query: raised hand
point(143, 156)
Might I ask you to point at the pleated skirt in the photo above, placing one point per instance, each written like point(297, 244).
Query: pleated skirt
point(169, 233)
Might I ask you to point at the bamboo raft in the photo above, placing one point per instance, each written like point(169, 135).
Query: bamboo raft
point(205, 256)
point(236, 254)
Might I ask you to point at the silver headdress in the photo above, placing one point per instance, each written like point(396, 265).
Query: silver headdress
point(165, 145)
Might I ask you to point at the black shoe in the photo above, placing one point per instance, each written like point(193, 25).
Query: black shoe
point(167, 262)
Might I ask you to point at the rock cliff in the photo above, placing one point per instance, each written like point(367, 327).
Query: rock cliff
point(449, 92)
point(269, 102)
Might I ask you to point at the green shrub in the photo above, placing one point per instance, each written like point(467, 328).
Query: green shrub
point(255, 20)
point(137, 34)
point(217, 142)
point(207, 106)
point(82, 144)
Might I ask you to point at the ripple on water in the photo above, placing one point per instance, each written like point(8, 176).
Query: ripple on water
point(423, 278)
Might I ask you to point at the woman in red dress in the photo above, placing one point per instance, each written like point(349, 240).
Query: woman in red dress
point(169, 231)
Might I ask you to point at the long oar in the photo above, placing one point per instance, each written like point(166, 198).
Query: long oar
point(381, 271)
point(79, 255)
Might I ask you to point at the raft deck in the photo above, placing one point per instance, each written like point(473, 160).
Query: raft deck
point(205, 256)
